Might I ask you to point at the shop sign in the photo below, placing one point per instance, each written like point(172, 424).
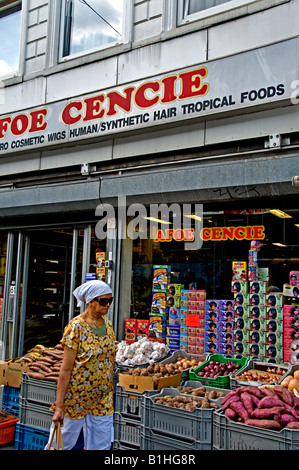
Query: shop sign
point(235, 84)
point(248, 232)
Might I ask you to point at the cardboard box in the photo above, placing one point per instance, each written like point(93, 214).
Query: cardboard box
point(136, 383)
point(11, 373)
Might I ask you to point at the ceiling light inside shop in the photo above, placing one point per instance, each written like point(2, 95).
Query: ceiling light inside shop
point(278, 244)
point(193, 216)
point(296, 225)
point(280, 214)
point(158, 220)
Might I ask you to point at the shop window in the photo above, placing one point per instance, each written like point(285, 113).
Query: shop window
point(10, 34)
point(90, 25)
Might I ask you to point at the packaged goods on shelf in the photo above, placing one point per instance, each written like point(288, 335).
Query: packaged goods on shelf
point(130, 330)
point(161, 277)
point(239, 271)
point(219, 326)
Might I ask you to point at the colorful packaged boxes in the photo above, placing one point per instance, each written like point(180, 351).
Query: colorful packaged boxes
point(130, 330)
point(239, 269)
point(161, 277)
point(258, 287)
point(100, 266)
point(173, 336)
point(157, 327)
point(290, 329)
point(219, 326)
point(158, 304)
point(239, 286)
point(142, 327)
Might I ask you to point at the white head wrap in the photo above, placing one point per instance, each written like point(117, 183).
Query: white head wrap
point(90, 290)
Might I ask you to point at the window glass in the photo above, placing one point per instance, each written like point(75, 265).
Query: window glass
point(10, 33)
point(193, 6)
point(90, 24)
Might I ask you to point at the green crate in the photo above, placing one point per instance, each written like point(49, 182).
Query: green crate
point(221, 381)
point(229, 435)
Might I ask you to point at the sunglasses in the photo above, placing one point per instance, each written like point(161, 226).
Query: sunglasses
point(104, 301)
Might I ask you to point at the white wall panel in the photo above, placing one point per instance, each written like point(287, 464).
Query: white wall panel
point(76, 155)
point(254, 125)
point(252, 31)
point(162, 57)
point(77, 81)
point(22, 96)
point(160, 140)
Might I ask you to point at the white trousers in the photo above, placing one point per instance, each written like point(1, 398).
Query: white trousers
point(97, 430)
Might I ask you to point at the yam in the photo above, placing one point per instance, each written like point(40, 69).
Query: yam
point(247, 401)
point(232, 399)
point(36, 375)
point(285, 419)
point(240, 409)
point(293, 425)
point(231, 414)
point(284, 394)
point(229, 395)
point(269, 402)
point(251, 389)
point(264, 423)
point(262, 413)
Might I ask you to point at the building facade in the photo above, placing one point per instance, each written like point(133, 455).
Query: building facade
point(107, 104)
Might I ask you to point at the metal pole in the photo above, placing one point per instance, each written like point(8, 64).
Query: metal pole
point(86, 255)
point(24, 295)
point(16, 306)
point(7, 282)
point(73, 272)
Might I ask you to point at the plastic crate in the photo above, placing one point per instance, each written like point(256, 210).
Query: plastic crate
point(38, 391)
point(196, 384)
point(11, 399)
point(152, 441)
point(127, 432)
point(30, 438)
point(34, 414)
point(221, 381)
point(189, 426)
point(228, 435)
point(253, 364)
point(128, 404)
point(181, 354)
point(7, 427)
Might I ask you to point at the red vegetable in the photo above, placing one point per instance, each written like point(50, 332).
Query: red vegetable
point(264, 423)
point(284, 394)
point(240, 409)
point(231, 414)
point(262, 413)
point(269, 402)
point(247, 402)
point(293, 425)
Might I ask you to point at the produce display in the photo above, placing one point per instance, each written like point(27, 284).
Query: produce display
point(184, 363)
point(202, 392)
point(44, 363)
point(268, 406)
point(268, 376)
point(185, 403)
point(291, 382)
point(215, 369)
point(141, 352)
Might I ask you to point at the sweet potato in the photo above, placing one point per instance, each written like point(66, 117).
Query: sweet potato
point(269, 402)
point(231, 414)
point(285, 419)
point(262, 413)
point(293, 425)
point(229, 395)
point(292, 411)
point(240, 409)
point(269, 392)
point(284, 394)
point(247, 401)
point(252, 390)
point(35, 375)
point(264, 423)
point(232, 399)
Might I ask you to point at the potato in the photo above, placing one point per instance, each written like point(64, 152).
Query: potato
point(286, 381)
point(296, 374)
point(293, 384)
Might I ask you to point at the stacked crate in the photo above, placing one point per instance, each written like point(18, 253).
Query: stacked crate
point(35, 417)
point(128, 422)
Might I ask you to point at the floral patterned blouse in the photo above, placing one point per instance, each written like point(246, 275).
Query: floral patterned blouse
point(90, 390)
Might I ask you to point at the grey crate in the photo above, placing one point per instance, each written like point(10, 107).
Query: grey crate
point(127, 432)
point(128, 404)
point(181, 354)
point(39, 391)
point(228, 435)
point(152, 441)
point(34, 414)
point(191, 426)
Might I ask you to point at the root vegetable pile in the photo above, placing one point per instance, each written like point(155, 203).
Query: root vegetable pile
point(185, 403)
point(44, 363)
point(268, 376)
point(202, 392)
point(215, 369)
point(268, 406)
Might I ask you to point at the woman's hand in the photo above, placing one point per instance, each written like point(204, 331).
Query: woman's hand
point(58, 416)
